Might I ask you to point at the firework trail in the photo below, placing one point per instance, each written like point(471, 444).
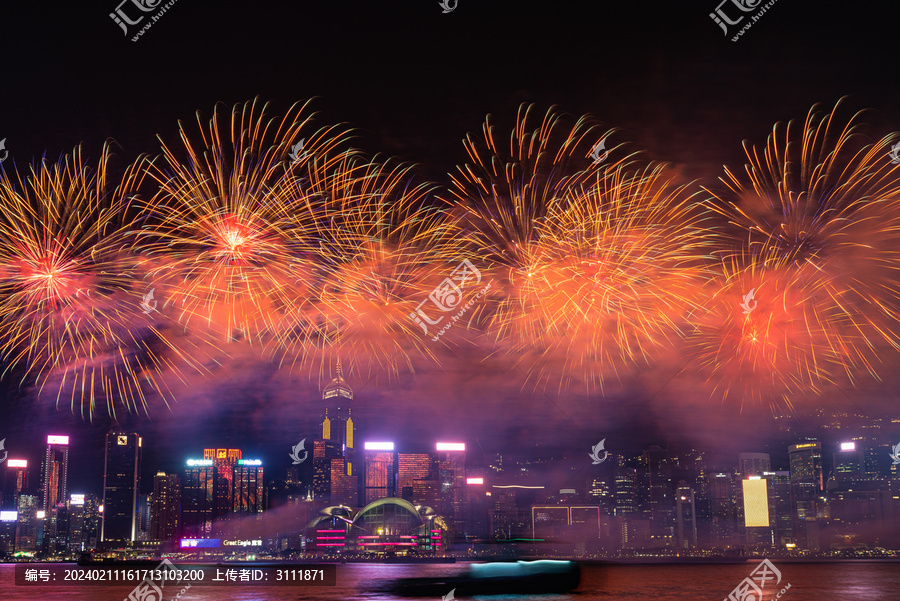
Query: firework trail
point(226, 232)
point(68, 313)
point(598, 263)
point(379, 245)
point(817, 216)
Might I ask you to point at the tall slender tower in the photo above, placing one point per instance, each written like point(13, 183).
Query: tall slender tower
point(121, 479)
point(337, 424)
point(55, 472)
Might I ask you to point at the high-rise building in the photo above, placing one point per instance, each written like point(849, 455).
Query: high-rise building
point(754, 464)
point(323, 452)
point(337, 424)
point(344, 487)
point(121, 487)
point(249, 494)
point(198, 500)
point(380, 471)
point(722, 509)
point(807, 484)
point(849, 463)
point(224, 461)
point(54, 472)
point(412, 467)
point(28, 530)
point(451, 463)
point(660, 506)
point(625, 497)
point(15, 483)
point(780, 506)
point(686, 518)
point(165, 507)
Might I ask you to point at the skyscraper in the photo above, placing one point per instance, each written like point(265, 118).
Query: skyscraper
point(754, 464)
point(54, 472)
point(686, 517)
point(337, 424)
point(198, 500)
point(165, 508)
point(412, 467)
point(15, 482)
point(224, 461)
point(380, 471)
point(806, 487)
point(849, 463)
point(323, 452)
point(121, 482)
point(249, 491)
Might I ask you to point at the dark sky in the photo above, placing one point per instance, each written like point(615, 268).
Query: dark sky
point(415, 81)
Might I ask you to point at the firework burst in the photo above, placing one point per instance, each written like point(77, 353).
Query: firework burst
point(817, 214)
point(226, 230)
point(379, 244)
point(67, 308)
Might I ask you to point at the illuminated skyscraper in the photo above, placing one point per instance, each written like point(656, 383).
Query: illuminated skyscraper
point(165, 508)
point(54, 472)
point(198, 500)
point(121, 481)
point(806, 486)
point(344, 487)
point(15, 482)
point(323, 452)
point(660, 505)
point(249, 491)
point(380, 471)
point(224, 461)
point(849, 463)
point(686, 517)
point(451, 462)
point(412, 467)
point(337, 424)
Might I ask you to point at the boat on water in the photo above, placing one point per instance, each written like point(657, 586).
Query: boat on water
point(496, 578)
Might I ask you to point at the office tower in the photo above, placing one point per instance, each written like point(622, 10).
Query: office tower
point(780, 506)
point(849, 463)
point(224, 461)
point(54, 472)
point(427, 493)
point(77, 523)
point(660, 506)
point(722, 509)
point(451, 464)
point(412, 467)
point(344, 487)
point(323, 452)
point(625, 498)
point(686, 518)
point(165, 508)
point(806, 486)
point(15, 482)
point(249, 494)
point(198, 499)
point(28, 528)
point(380, 471)
point(121, 483)
point(756, 509)
point(337, 424)
point(754, 464)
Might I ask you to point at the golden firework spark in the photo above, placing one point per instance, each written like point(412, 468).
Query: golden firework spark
point(68, 312)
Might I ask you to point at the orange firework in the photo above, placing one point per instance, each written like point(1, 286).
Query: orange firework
point(379, 244)
point(226, 233)
point(68, 312)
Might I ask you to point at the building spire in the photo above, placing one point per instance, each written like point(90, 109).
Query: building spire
point(340, 373)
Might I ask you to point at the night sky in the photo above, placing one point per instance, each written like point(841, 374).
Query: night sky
point(414, 81)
